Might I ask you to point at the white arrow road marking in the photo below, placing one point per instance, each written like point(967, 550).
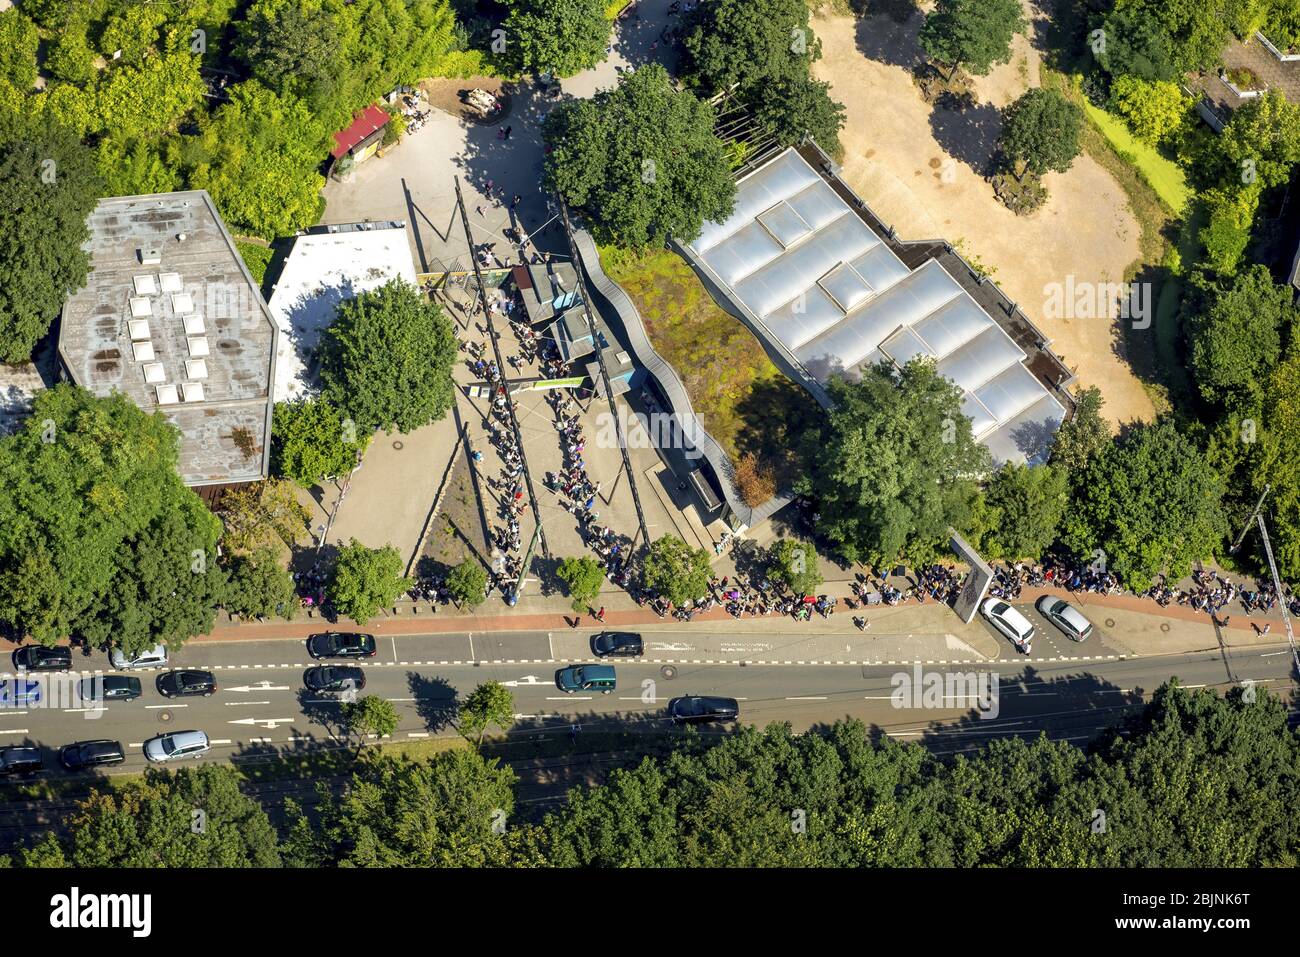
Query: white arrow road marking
point(526, 680)
point(235, 704)
point(270, 723)
point(260, 686)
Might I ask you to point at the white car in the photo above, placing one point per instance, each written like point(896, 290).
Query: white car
point(155, 657)
point(1065, 617)
point(176, 745)
point(1010, 623)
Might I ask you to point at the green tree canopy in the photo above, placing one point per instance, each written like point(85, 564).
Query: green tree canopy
point(1276, 461)
point(1150, 503)
point(292, 47)
point(48, 187)
point(1040, 132)
point(311, 441)
point(789, 108)
point(794, 564)
point(1261, 142)
point(259, 586)
point(368, 715)
point(264, 515)
point(641, 160)
point(675, 570)
point(491, 703)
point(91, 506)
point(747, 43)
point(1235, 331)
point(1023, 509)
point(386, 360)
point(19, 40)
point(365, 580)
point(561, 37)
point(584, 576)
point(1083, 435)
point(974, 34)
point(1133, 43)
point(467, 584)
point(898, 464)
point(1154, 109)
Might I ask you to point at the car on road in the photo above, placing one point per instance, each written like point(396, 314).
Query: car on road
point(333, 678)
point(20, 760)
point(699, 709)
point(41, 658)
point(186, 683)
point(341, 644)
point(155, 657)
point(110, 688)
point(1065, 617)
point(617, 644)
point(176, 746)
point(1010, 623)
point(91, 754)
point(19, 693)
point(577, 678)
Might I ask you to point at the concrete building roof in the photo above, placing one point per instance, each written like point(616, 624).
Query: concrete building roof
point(325, 267)
point(171, 317)
point(18, 387)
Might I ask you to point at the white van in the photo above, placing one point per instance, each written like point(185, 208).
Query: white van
point(1010, 623)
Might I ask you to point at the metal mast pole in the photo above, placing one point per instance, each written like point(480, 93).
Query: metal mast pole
point(1281, 597)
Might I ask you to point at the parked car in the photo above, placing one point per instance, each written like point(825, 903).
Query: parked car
point(586, 678)
point(1065, 617)
point(341, 644)
point(91, 754)
point(155, 657)
point(41, 658)
point(618, 644)
point(698, 709)
point(20, 760)
point(1010, 623)
point(334, 678)
point(176, 746)
point(186, 683)
point(19, 692)
point(110, 688)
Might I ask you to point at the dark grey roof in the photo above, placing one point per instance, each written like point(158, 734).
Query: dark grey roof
point(137, 255)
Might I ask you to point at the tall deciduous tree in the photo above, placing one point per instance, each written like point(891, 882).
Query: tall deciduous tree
point(467, 584)
point(1023, 506)
point(584, 576)
point(386, 360)
point(1084, 435)
point(365, 580)
point(1147, 504)
point(974, 34)
point(641, 160)
point(789, 108)
point(1040, 132)
point(898, 464)
point(1261, 143)
point(561, 37)
point(794, 564)
point(491, 703)
point(48, 186)
point(311, 440)
point(747, 42)
point(675, 570)
point(259, 586)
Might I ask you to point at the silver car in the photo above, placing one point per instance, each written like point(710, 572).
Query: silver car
point(1065, 617)
point(176, 746)
point(155, 657)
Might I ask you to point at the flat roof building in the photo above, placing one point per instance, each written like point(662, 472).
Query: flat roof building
point(171, 317)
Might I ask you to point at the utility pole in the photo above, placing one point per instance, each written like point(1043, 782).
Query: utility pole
point(1253, 515)
point(501, 365)
point(1281, 596)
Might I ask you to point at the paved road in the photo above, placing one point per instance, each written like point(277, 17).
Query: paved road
point(1068, 690)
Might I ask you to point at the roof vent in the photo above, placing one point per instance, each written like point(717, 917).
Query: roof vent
point(180, 237)
point(149, 257)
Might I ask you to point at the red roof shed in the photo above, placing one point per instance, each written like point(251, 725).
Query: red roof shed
point(365, 123)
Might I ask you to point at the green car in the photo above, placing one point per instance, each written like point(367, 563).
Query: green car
point(585, 678)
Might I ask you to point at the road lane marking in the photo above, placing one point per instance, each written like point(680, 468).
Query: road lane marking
point(235, 704)
point(15, 731)
point(571, 698)
point(220, 741)
point(155, 707)
point(807, 698)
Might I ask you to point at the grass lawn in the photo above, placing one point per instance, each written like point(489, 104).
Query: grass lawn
point(741, 398)
point(1164, 176)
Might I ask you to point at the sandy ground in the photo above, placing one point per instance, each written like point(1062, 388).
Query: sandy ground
point(921, 169)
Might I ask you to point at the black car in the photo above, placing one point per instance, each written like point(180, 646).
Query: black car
point(334, 678)
point(91, 754)
point(341, 644)
point(696, 709)
point(40, 658)
point(110, 688)
point(20, 760)
point(185, 683)
point(618, 644)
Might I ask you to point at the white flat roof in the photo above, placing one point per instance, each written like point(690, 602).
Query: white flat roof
point(320, 271)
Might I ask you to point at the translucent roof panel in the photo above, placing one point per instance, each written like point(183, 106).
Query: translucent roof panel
point(154, 372)
point(786, 226)
point(819, 206)
point(1010, 392)
point(141, 308)
point(1028, 436)
point(138, 328)
point(741, 255)
point(196, 369)
point(804, 318)
point(953, 325)
point(904, 346)
point(761, 190)
point(146, 285)
point(167, 395)
point(171, 282)
point(142, 351)
point(778, 281)
point(879, 266)
point(981, 419)
point(981, 359)
point(194, 325)
point(847, 343)
point(846, 287)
